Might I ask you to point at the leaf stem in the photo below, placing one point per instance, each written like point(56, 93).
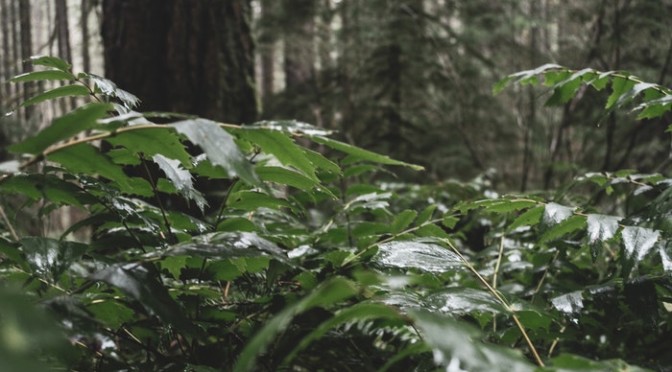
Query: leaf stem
point(499, 298)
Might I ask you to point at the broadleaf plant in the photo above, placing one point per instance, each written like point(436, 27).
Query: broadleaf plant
point(301, 260)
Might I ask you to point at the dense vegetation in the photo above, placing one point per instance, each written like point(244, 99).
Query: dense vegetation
point(306, 254)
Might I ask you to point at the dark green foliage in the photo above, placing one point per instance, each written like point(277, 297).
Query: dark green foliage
point(311, 264)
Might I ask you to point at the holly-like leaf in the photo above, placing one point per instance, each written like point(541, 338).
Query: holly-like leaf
point(219, 146)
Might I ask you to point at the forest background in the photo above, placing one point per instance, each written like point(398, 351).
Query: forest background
point(411, 79)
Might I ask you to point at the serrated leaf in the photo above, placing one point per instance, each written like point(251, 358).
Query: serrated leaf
point(219, 146)
point(282, 147)
point(569, 303)
point(252, 200)
point(556, 213)
point(287, 177)
point(402, 221)
point(181, 179)
point(321, 162)
point(563, 228)
point(565, 91)
point(152, 141)
point(362, 154)
point(426, 214)
point(110, 89)
point(136, 282)
point(456, 346)
point(49, 61)
point(529, 218)
point(64, 127)
point(506, 205)
point(43, 75)
point(64, 91)
point(500, 85)
point(619, 86)
point(638, 241)
point(421, 254)
point(330, 292)
point(601, 227)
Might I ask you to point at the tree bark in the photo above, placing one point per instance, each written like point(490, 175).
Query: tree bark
point(183, 56)
point(8, 57)
point(85, 10)
point(267, 55)
point(26, 50)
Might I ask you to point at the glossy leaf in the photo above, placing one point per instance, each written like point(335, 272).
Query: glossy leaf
point(49, 61)
point(530, 217)
point(50, 257)
point(181, 179)
point(136, 282)
point(64, 127)
point(227, 245)
point(456, 346)
point(362, 154)
point(219, 147)
point(43, 75)
point(282, 147)
point(638, 241)
point(421, 254)
point(153, 141)
point(555, 213)
point(64, 91)
point(563, 228)
point(601, 227)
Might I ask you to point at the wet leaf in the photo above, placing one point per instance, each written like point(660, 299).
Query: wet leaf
point(181, 179)
point(227, 245)
point(638, 241)
point(460, 300)
point(601, 227)
point(556, 213)
point(64, 91)
point(420, 254)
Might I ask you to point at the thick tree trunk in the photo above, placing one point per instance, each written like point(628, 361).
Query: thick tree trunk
point(185, 56)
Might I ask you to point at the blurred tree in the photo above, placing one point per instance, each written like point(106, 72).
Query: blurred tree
point(183, 56)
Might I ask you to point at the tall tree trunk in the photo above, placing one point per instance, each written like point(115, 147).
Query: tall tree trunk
point(267, 43)
point(63, 37)
point(7, 56)
point(26, 50)
point(183, 56)
point(85, 10)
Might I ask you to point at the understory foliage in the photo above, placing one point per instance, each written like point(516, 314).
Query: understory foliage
point(299, 253)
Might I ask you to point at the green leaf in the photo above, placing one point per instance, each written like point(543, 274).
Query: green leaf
point(569, 362)
point(110, 89)
point(457, 344)
point(321, 162)
point(49, 61)
point(181, 179)
point(528, 218)
point(153, 141)
point(358, 312)
point(282, 147)
point(64, 91)
point(284, 176)
point(601, 227)
point(556, 213)
point(290, 126)
point(333, 291)
point(506, 205)
point(43, 75)
point(402, 221)
point(252, 200)
point(426, 214)
point(619, 86)
point(500, 85)
point(461, 300)
point(219, 146)
point(136, 282)
point(227, 245)
point(563, 228)
point(64, 127)
point(420, 253)
point(86, 159)
point(362, 154)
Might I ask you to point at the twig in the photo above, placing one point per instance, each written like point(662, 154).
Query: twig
point(499, 298)
point(8, 224)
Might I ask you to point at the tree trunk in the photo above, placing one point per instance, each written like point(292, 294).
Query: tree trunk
point(84, 28)
point(7, 56)
point(63, 37)
point(183, 56)
point(26, 50)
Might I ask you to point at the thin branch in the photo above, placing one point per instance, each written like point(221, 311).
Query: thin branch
point(8, 224)
point(499, 298)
